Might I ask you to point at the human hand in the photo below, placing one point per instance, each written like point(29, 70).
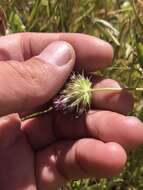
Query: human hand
point(45, 152)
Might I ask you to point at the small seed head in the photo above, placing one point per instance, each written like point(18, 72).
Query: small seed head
point(76, 96)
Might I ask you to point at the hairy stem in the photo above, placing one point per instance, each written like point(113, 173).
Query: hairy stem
point(110, 89)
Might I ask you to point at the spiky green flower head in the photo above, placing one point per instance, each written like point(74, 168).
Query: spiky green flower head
point(76, 96)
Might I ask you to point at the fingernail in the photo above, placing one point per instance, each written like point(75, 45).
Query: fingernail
point(57, 53)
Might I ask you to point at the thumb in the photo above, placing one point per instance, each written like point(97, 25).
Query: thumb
point(25, 85)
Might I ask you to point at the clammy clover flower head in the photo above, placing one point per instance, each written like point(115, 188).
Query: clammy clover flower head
point(76, 96)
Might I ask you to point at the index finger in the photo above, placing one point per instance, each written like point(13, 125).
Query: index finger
point(91, 53)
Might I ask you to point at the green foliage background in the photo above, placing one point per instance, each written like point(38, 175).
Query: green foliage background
point(119, 22)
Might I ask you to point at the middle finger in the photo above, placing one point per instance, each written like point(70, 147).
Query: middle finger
point(104, 125)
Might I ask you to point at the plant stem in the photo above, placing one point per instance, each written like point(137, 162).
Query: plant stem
point(110, 89)
point(36, 114)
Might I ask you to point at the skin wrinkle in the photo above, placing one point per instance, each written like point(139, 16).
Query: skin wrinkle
point(16, 140)
point(90, 121)
point(59, 164)
point(83, 126)
point(53, 132)
point(77, 160)
point(26, 47)
point(98, 131)
point(59, 170)
point(24, 80)
point(23, 45)
point(33, 77)
point(12, 47)
point(4, 55)
point(16, 71)
point(17, 135)
point(30, 48)
point(53, 125)
point(28, 140)
point(35, 173)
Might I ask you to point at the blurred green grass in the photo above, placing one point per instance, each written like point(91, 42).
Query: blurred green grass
point(119, 22)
